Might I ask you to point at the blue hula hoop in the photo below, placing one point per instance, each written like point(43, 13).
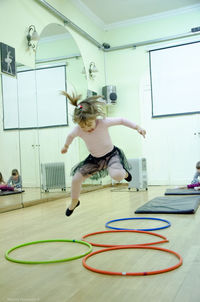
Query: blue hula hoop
point(132, 218)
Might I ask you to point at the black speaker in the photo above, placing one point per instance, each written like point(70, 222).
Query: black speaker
point(109, 93)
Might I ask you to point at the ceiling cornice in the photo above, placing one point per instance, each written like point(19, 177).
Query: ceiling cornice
point(170, 13)
point(99, 22)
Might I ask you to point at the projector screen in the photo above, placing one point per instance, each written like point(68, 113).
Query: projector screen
point(33, 100)
point(175, 74)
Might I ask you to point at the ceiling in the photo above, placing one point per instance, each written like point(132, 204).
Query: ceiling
point(114, 11)
point(108, 12)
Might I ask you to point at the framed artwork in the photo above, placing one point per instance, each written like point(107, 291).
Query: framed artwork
point(8, 59)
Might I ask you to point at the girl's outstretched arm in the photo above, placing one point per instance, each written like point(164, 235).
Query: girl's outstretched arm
point(69, 140)
point(114, 121)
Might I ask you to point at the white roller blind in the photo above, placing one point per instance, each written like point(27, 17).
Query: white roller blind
point(175, 74)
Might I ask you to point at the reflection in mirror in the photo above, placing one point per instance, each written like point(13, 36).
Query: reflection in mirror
point(10, 163)
point(28, 124)
point(39, 119)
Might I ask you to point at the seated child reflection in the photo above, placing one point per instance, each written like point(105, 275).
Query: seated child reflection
point(3, 185)
point(2, 182)
point(15, 180)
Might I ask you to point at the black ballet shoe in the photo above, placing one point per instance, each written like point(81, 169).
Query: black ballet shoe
point(129, 177)
point(69, 212)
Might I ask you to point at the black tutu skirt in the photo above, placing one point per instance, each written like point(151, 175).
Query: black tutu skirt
point(97, 167)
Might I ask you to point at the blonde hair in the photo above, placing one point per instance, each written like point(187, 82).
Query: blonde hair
point(89, 108)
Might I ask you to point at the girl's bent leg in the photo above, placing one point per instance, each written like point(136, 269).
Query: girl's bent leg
point(115, 169)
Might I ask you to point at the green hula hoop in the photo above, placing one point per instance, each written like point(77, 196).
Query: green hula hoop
point(49, 261)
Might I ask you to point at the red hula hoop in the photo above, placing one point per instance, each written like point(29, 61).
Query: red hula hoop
point(132, 231)
point(132, 273)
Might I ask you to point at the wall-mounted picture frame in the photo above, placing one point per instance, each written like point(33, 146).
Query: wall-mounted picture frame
point(7, 59)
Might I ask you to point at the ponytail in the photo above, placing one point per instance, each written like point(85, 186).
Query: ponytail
point(73, 99)
point(89, 108)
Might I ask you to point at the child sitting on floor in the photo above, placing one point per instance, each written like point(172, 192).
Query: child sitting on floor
point(195, 184)
point(196, 178)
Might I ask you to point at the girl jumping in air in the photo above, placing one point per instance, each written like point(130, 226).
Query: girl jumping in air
point(104, 158)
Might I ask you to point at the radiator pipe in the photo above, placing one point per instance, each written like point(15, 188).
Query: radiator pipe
point(75, 56)
point(148, 42)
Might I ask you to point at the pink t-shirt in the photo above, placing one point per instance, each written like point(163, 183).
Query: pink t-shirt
point(99, 141)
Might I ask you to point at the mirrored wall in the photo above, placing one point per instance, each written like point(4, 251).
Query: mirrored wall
point(10, 142)
point(37, 120)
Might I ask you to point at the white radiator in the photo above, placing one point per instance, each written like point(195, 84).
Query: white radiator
point(53, 176)
point(139, 173)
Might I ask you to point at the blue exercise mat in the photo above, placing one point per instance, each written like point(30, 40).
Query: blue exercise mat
point(171, 205)
point(182, 192)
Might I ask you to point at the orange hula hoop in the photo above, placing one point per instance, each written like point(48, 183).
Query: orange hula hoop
point(132, 273)
point(117, 231)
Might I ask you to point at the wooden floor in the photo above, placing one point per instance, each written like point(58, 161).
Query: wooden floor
point(70, 281)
